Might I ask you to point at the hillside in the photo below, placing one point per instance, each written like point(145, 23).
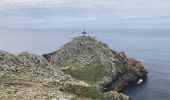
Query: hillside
point(89, 60)
point(28, 76)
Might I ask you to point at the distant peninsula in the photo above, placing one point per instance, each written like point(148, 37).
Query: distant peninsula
point(82, 69)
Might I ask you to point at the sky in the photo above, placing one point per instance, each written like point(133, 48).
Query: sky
point(133, 14)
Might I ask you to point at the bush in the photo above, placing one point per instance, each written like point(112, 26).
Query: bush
point(86, 92)
point(91, 72)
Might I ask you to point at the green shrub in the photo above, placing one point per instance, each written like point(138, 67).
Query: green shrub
point(86, 92)
point(91, 72)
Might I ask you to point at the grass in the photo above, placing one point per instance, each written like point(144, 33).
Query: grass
point(85, 92)
point(91, 72)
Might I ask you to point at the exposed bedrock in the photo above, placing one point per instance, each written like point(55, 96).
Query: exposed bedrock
point(92, 61)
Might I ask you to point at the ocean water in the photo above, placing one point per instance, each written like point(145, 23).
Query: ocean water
point(151, 47)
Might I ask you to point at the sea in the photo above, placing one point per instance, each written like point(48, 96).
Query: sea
point(150, 46)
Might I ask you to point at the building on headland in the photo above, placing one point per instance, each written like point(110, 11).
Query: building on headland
point(84, 32)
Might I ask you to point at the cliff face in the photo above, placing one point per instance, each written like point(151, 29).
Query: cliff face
point(86, 59)
point(28, 76)
point(133, 72)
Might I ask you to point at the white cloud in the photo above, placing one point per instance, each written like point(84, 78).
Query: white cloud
point(67, 12)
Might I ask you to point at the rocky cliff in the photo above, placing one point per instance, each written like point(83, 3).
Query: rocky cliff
point(89, 60)
point(28, 76)
point(83, 69)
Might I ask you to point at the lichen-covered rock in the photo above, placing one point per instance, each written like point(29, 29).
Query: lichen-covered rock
point(85, 55)
point(26, 66)
point(28, 76)
point(83, 69)
point(92, 61)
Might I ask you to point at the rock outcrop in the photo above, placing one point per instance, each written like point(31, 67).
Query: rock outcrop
point(83, 69)
point(28, 76)
point(89, 60)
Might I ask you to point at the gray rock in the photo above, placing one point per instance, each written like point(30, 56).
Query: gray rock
point(90, 60)
point(88, 66)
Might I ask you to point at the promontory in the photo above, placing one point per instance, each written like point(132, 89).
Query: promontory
point(82, 69)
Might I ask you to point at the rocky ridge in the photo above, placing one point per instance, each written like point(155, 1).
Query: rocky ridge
point(28, 76)
point(89, 60)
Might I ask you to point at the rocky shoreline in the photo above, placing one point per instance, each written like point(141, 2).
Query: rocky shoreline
point(132, 76)
point(83, 69)
point(84, 51)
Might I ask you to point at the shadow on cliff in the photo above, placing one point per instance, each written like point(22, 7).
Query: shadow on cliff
point(135, 87)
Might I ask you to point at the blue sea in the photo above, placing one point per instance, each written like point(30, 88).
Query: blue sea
point(150, 46)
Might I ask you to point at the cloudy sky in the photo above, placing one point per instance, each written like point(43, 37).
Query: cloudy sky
point(84, 14)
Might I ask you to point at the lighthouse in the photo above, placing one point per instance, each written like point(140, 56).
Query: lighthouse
point(84, 32)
